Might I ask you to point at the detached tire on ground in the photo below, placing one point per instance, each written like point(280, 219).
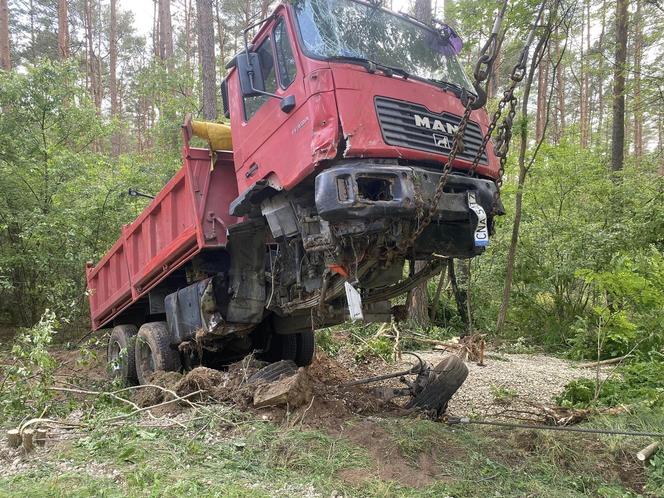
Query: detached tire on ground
point(120, 353)
point(154, 351)
point(306, 345)
point(274, 371)
point(449, 376)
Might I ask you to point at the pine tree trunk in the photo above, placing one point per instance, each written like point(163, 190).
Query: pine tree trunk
point(156, 12)
point(542, 97)
point(165, 32)
point(187, 33)
point(518, 202)
point(63, 30)
point(418, 307)
point(618, 127)
point(206, 51)
point(113, 84)
point(560, 90)
point(583, 98)
point(5, 55)
point(638, 101)
point(600, 75)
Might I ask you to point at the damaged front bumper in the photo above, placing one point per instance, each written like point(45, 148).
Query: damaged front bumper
point(373, 195)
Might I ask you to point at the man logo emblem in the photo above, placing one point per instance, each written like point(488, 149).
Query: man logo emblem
point(441, 141)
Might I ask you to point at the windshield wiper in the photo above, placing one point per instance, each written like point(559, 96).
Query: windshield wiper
point(457, 90)
point(372, 66)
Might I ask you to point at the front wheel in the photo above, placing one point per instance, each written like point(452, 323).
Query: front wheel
point(449, 374)
point(154, 351)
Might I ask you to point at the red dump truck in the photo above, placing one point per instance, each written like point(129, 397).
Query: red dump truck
point(343, 120)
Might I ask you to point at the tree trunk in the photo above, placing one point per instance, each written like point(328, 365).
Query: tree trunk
point(423, 11)
point(222, 36)
point(618, 128)
point(63, 30)
point(419, 301)
point(113, 84)
point(418, 307)
point(165, 31)
point(156, 12)
point(600, 74)
point(187, 33)
point(206, 51)
point(638, 101)
point(584, 103)
point(518, 202)
point(91, 63)
point(542, 101)
point(5, 56)
point(560, 90)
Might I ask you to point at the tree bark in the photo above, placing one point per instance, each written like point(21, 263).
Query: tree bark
point(542, 85)
point(418, 305)
point(638, 101)
point(618, 127)
point(560, 90)
point(165, 31)
point(63, 30)
point(423, 11)
point(5, 55)
point(584, 104)
point(206, 51)
point(523, 171)
point(113, 84)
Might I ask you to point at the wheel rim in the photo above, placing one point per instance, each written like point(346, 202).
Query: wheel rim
point(146, 359)
point(115, 359)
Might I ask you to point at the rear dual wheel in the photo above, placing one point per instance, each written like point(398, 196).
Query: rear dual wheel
point(134, 355)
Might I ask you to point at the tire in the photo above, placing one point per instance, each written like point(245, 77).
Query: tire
point(154, 351)
point(282, 347)
point(306, 345)
point(273, 371)
point(120, 353)
point(449, 376)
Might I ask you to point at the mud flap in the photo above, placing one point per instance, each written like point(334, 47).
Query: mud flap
point(247, 249)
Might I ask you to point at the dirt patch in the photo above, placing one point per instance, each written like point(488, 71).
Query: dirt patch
point(388, 462)
point(150, 396)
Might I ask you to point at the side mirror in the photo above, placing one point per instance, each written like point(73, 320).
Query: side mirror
point(287, 103)
point(251, 75)
point(224, 98)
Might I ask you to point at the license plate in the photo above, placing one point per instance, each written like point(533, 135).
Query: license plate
point(481, 236)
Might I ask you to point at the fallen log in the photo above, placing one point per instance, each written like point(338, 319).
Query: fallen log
point(647, 452)
point(611, 361)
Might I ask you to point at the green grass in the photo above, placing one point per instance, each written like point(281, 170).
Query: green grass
point(260, 459)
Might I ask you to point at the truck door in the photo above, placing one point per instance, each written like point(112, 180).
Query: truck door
point(265, 143)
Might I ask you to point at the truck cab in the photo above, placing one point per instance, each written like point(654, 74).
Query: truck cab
point(372, 94)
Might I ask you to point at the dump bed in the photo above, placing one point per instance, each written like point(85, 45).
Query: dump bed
point(187, 216)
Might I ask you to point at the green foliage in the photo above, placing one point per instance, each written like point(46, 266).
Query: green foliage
point(641, 382)
point(26, 379)
point(380, 347)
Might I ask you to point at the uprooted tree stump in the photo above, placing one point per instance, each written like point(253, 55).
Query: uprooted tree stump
point(295, 390)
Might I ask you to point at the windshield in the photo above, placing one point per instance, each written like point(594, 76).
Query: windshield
point(346, 28)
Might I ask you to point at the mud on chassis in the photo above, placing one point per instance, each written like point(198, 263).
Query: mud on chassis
point(267, 298)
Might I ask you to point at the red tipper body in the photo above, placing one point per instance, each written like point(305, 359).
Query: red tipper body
point(188, 215)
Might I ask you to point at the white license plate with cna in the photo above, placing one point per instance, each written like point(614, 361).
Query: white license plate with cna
point(481, 236)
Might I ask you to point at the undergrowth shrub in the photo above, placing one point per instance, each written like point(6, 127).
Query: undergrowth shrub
point(26, 379)
point(641, 382)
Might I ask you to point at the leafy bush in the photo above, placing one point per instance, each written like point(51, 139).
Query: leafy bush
point(635, 383)
point(26, 380)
